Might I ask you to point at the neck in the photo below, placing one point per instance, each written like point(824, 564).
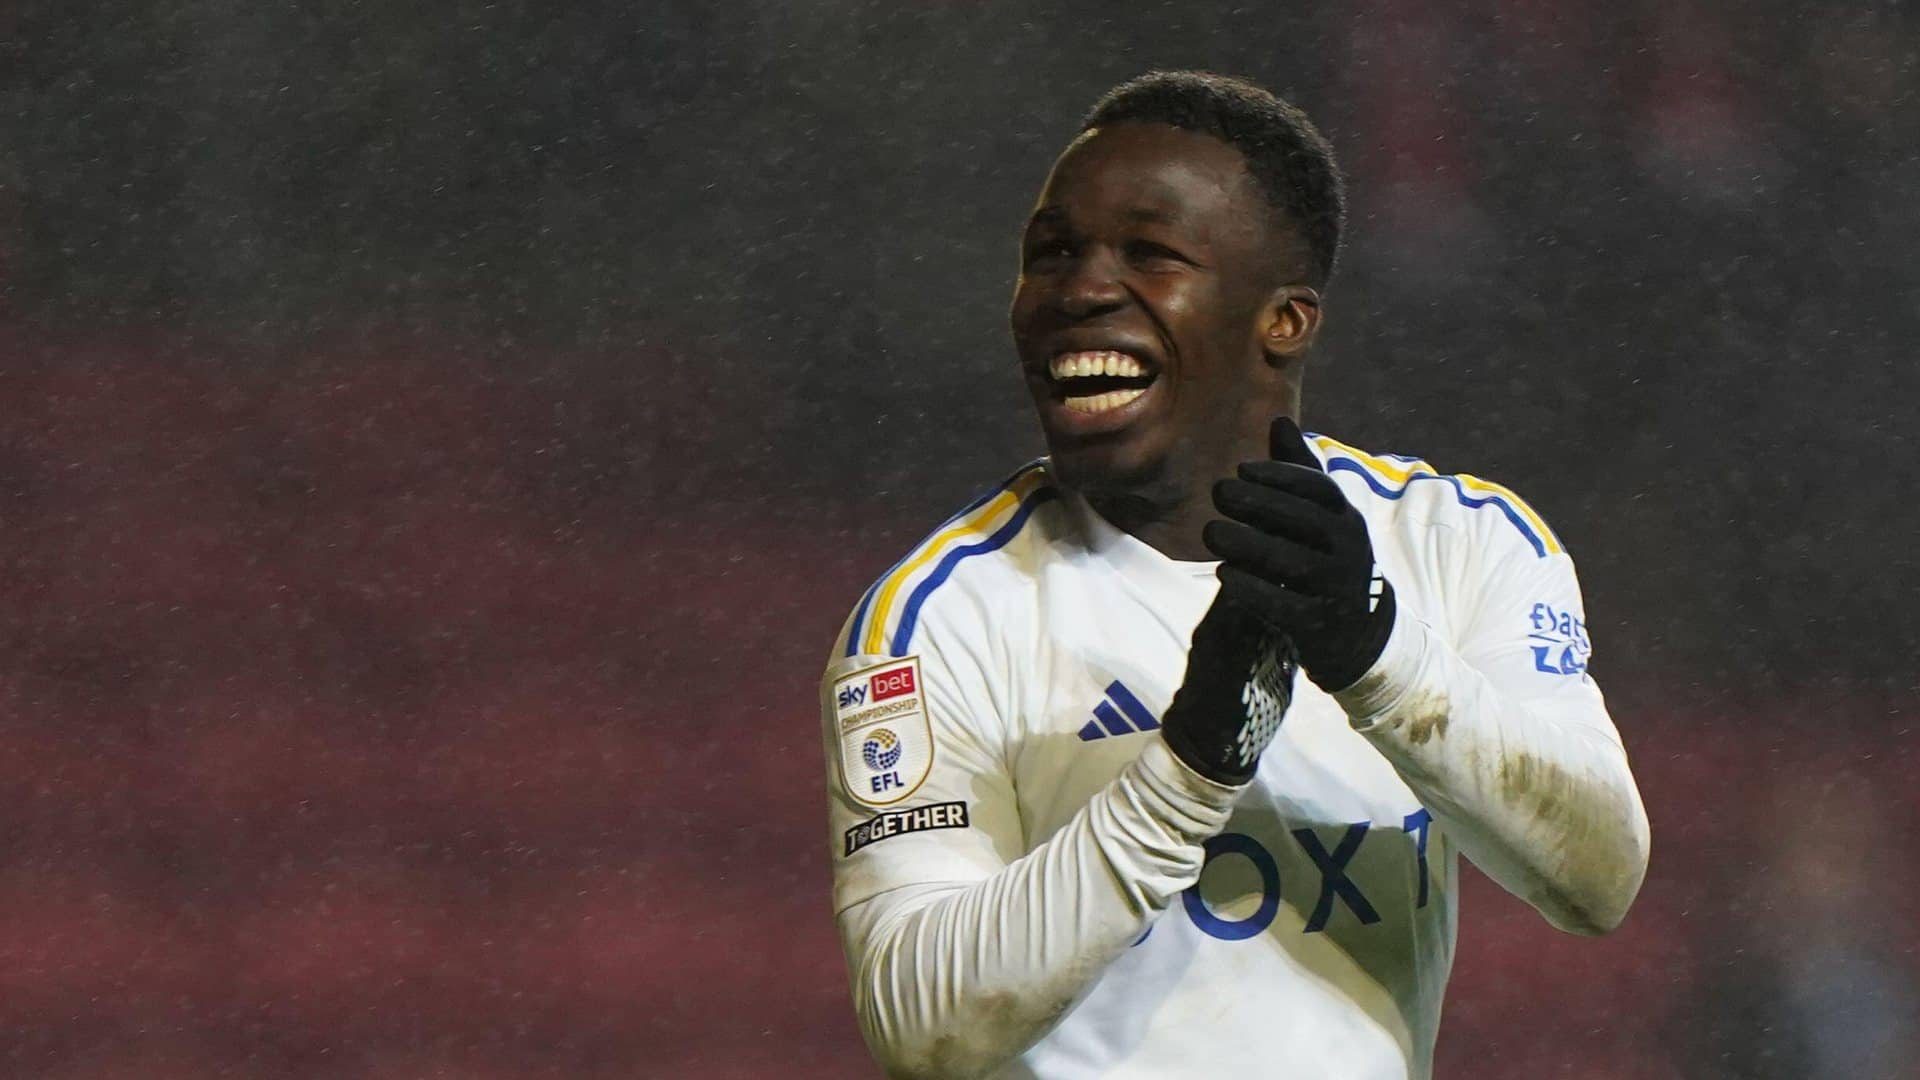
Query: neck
point(1170, 526)
point(1168, 512)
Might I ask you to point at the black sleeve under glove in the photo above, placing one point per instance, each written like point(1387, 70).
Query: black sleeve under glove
point(1295, 551)
point(1239, 682)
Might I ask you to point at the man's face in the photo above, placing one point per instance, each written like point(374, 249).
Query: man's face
point(1145, 269)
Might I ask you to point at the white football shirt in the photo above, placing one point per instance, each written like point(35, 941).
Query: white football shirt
point(1029, 884)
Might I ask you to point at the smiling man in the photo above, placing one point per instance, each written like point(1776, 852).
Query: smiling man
point(1157, 760)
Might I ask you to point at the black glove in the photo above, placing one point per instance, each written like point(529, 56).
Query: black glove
point(1296, 551)
point(1239, 682)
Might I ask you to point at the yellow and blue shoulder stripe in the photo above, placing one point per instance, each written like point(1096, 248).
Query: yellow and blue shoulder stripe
point(1390, 477)
point(883, 624)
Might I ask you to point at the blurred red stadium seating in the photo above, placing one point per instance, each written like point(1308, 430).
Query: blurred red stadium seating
point(335, 739)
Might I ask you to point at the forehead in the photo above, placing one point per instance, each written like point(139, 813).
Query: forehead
point(1156, 171)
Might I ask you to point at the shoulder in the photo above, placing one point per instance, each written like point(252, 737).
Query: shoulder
point(1409, 495)
point(960, 573)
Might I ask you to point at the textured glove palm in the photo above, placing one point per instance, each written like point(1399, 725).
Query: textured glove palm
point(1239, 682)
point(1296, 552)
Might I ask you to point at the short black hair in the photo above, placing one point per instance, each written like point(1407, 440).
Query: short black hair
point(1287, 156)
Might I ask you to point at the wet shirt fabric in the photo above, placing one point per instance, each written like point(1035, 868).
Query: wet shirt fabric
point(1028, 884)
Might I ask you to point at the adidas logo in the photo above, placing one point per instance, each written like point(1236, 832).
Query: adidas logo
point(1129, 717)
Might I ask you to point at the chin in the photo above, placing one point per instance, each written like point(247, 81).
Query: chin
point(1107, 468)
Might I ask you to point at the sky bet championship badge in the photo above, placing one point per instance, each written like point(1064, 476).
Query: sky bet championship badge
point(886, 745)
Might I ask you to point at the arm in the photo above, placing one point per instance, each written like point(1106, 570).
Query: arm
point(960, 972)
point(965, 947)
point(1516, 758)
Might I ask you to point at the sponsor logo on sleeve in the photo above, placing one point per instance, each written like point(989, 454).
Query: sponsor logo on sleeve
point(946, 815)
point(1559, 641)
point(893, 683)
point(886, 742)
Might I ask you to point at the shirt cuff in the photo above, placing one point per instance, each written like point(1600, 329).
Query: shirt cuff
point(1180, 787)
point(1394, 676)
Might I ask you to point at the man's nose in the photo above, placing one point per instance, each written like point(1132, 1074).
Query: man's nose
point(1092, 286)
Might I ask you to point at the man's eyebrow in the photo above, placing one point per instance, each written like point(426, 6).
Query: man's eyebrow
point(1049, 215)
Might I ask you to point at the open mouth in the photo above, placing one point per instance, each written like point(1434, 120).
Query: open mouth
point(1099, 380)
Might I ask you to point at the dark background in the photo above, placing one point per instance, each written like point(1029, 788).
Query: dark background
point(439, 442)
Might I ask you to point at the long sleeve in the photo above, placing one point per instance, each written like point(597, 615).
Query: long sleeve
point(953, 979)
point(1506, 740)
point(962, 951)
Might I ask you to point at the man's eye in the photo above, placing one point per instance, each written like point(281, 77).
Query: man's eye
point(1044, 250)
point(1148, 251)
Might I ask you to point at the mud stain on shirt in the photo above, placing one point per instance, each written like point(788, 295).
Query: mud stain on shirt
point(1577, 816)
point(995, 1021)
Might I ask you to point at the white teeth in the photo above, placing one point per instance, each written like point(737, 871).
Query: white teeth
point(1094, 363)
point(1099, 403)
point(1080, 365)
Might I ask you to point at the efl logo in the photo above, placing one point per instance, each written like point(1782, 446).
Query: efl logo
point(886, 740)
point(892, 684)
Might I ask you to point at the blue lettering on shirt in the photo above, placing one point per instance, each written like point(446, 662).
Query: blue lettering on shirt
point(1559, 641)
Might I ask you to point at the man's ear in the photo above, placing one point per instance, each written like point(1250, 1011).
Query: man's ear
point(1288, 322)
